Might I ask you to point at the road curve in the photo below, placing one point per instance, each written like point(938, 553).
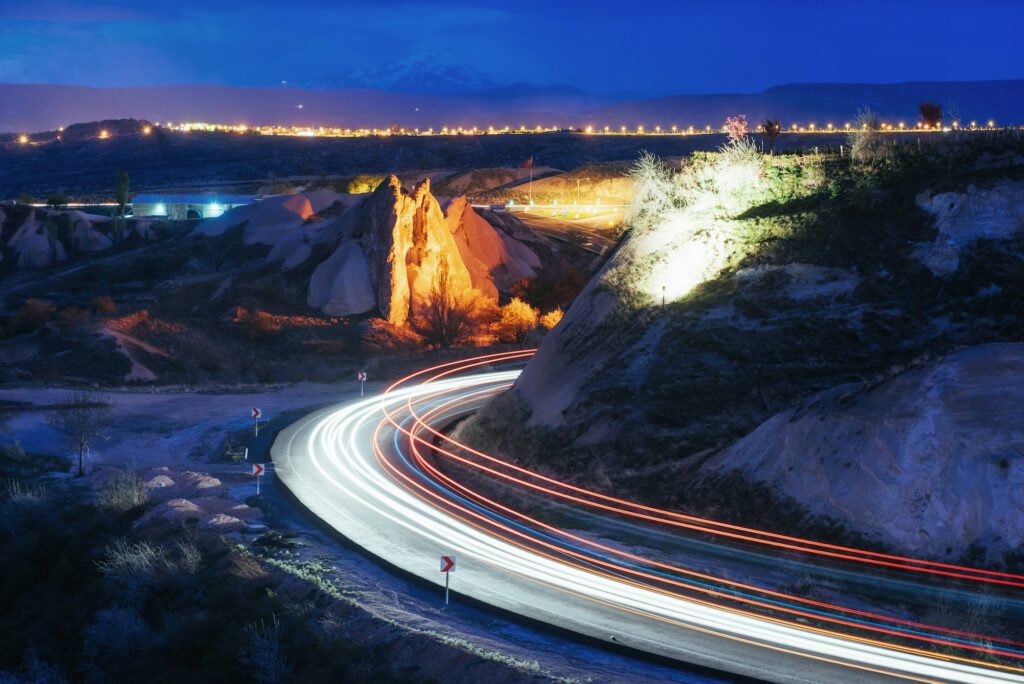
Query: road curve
point(361, 467)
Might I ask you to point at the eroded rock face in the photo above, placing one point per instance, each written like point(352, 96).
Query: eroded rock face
point(34, 247)
point(493, 258)
point(406, 239)
point(963, 217)
point(393, 244)
point(341, 286)
point(939, 451)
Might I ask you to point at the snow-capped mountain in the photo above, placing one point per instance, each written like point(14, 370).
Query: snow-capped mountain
point(419, 74)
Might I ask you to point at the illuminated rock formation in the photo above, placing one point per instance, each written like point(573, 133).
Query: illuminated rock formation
point(494, 259)
point(405, 238)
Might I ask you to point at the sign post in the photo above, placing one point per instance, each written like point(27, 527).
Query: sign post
point(447, 567)
point(257, 472)
point(256, 415)
point(362, 381)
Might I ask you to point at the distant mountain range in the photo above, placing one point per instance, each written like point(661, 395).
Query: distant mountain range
point(420, 74)
point(33, 108)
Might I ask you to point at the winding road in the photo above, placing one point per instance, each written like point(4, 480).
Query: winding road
point(383, 473)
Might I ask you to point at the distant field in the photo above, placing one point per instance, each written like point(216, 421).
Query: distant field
point(228, 161)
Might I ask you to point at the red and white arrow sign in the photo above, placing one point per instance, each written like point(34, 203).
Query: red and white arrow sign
point(256, 413)
point(362, 376)
point(447, 563)
point(257, 469)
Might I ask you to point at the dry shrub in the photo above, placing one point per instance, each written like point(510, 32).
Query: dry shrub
point(867, 144)
point(516, 320)
point(551, 318)
point(245, 566)
point(256, 323)
point(103, 306)
point(190, 558)
point(33, 314)
point(124, 492)
point(71, 320)
point(450, 317)
point(264, 653)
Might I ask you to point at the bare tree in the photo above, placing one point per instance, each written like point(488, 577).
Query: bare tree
point(771, 129)
point(82, 417)
point(931, 114)
point(449, 317)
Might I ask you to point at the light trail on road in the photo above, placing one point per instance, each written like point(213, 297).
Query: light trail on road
point(374, 470)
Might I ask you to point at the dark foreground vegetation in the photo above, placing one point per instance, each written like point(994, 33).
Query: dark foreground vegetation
point(98, 587)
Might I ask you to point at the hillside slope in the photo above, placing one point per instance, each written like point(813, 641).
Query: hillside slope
point(749, 283)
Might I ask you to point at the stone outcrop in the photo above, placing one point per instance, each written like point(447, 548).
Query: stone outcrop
point(939, 450)
point(406, 240)
point(34, 247)
point(341, 285)
point(494, 259)
point(964, 217)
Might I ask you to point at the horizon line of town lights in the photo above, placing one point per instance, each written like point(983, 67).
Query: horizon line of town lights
point(335, 132)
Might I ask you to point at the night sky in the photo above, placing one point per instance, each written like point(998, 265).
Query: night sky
point(638, 48)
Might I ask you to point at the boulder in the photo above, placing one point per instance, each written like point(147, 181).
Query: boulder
point(35, 249)
point(963, 217)
point(341, 286)
point(938, 451)
point(276, 216)
point(84, 237)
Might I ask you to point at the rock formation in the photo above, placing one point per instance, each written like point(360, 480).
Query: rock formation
point(939, 450)
point(494, 259)
point(394, 243)
point(406, 240)
point(34, 247)
point(964, 217)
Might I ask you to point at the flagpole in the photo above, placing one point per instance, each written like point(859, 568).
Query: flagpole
point(531, 180)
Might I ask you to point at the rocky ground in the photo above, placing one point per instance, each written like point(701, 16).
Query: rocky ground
point(167, 543)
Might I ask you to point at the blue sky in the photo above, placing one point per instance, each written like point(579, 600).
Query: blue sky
point(650, 48)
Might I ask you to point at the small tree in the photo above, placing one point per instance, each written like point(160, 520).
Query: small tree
point(103, 305)
point(736, 127)
point(122, 198)
point(931, 114)
point(771, 129)
point(82, 417)
point(57, 200)
point(517, 319)
point(449, 316)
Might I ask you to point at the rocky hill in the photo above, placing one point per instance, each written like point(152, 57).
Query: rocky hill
point(300, 286)
point(747, 285)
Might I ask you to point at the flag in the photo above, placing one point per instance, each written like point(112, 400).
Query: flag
point(528, 164)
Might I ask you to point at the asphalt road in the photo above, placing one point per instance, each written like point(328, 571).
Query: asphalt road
point(357, 467)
